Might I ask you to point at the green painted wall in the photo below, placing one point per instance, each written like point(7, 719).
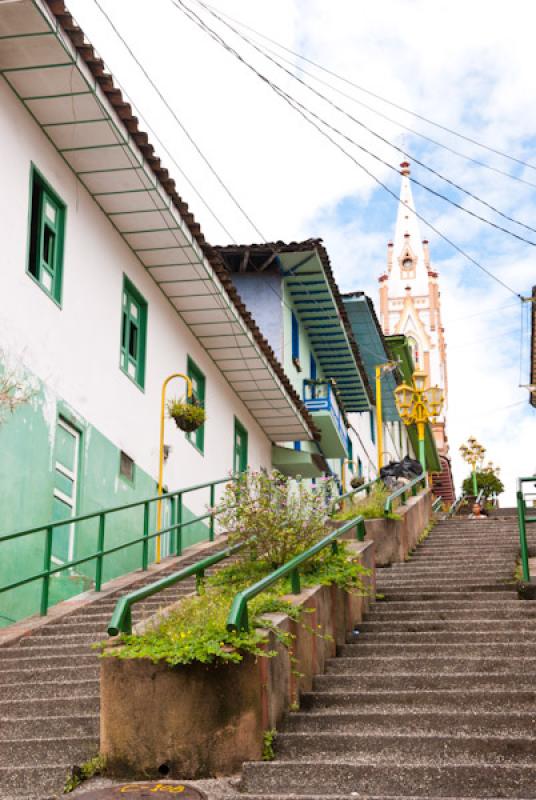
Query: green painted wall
point(27, 475)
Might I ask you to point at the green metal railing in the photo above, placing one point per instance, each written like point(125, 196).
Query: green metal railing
point(456, 504)
point(523, 519)
point(177, 525)
point(121, 621)
point(366, 487)
point(436, 505)
point(412, 487)
point(238, 615)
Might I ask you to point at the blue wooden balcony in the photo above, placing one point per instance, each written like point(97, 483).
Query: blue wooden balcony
point(320, 401)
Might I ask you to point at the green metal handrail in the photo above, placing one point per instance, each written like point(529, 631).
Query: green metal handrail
point(522, 520)
point(367, 487)
point(456, 504)
point(238, 615)
point(121, 621)
point(436, 505)
point(402, 492)
point(177, 526)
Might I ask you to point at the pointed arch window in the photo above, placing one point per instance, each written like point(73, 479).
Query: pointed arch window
point(415, 350)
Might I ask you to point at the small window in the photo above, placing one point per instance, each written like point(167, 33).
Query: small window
point(312, 368)
point(133, 333)
point(297, 445)
point(295, 340)
point(126, 467)
point(372, 427)
point(47, 230)
point(240, 451)
point(351, 464)
point(359, 467)
point(197, 438)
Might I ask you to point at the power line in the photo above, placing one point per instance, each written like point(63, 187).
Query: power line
point(390, 119)
point(305, 112)
point(363, 89)
point(180, 124)
point(389, 143)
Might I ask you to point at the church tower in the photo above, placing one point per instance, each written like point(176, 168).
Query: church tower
point(410, 301)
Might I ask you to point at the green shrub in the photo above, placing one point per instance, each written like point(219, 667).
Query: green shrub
point(274, 516)
point(369, 506)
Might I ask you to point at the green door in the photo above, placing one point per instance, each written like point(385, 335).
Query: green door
point(65, 490)
point(240, 454)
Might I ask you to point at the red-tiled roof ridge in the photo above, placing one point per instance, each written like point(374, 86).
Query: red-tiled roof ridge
point(316, 244)
point(123, 109)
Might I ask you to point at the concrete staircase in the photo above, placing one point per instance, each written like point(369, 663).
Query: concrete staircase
point(49, 687)
point(436, 696)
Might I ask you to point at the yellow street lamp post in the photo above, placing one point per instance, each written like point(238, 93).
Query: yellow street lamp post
point(473, 453)
point(189, 392)
point(381, 369)
point(417, 405)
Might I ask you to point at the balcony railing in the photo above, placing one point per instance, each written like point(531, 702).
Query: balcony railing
point(320, 396)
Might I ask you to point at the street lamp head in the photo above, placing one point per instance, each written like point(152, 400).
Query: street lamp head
point(419, 380)
point(434, 401)
point(404, 399)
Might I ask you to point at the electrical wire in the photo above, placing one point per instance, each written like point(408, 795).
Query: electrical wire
point(363, 89)
point(389, 143)
point(305, 112)
point(179, 123)
point(219, 300)
point(399, 124)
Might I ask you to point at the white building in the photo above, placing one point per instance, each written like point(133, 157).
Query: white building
point(107, 287)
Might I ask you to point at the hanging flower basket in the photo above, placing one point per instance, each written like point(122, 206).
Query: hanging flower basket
point(357, 481)
point(188, 416)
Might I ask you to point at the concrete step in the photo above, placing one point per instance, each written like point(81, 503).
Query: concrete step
point(34, 708)
point(490, 649)
point(428, 593)
point(41, 727)
point(389, 751)
point(65, 650)
point(430, 663)
point(23, 778)
point(475, 602)
point(43, 751)
point(471, 635)
point(458, 624)
point(387, 702)
point(309, 778)
point(50, 689)
point(47, 673)
point(397, 677)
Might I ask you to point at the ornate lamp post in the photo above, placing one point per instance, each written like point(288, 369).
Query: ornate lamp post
point(473, 453)
point(417, 405)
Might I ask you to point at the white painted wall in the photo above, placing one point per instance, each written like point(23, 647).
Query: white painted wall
point(75, 350)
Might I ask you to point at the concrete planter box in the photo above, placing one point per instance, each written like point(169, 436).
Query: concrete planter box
point(201, 721)
point(394, 539)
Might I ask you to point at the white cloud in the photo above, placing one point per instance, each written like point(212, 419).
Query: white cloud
point(469, 67)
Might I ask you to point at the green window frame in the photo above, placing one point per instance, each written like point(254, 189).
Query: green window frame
point(46, 236)
point(133, 333)
point(197, 438)
point(240, 447)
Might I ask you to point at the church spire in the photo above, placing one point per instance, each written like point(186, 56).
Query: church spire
point(408, 264)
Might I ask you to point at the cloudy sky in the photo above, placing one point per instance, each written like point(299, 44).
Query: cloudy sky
point(468, 67)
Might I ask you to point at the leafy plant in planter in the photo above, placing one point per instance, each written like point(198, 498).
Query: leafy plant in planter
point(283, 516)
point(188, 416)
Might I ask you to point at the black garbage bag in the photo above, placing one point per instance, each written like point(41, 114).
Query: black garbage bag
point(411, 465)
